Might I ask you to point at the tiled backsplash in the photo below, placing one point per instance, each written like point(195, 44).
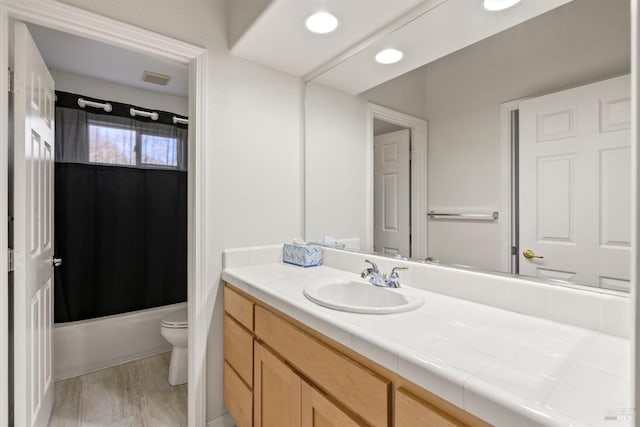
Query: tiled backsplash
point(587, 309)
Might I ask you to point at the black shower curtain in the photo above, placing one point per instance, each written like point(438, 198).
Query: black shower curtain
point(122, 235)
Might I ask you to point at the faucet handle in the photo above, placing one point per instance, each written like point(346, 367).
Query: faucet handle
point(394, 271)
point(373, 265)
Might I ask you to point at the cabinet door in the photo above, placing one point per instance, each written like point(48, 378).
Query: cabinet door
point(410, 411)
point(319, 411)
point(237, 397)
point(238, 349)
point(356, 387)
point(276, 391)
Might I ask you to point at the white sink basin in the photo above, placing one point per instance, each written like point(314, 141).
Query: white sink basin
point(358, 296)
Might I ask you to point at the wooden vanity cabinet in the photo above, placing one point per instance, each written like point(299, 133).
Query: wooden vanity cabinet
point(319, 410)
point(238, 346)
point(277, 393)
point(238, 357)
point(409, 411)
point(284, 399)
point(238, 397)
point(356, 387)
point(280, 373)
point(239, 307)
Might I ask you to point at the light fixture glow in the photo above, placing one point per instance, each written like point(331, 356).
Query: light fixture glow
point(389, 56)
point(494, 5)
point(321, 23)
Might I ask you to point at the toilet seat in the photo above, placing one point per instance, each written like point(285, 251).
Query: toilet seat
point(176, 320)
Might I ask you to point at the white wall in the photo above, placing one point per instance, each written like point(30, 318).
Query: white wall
point(407, 94)
point(110, 91)
point(336, 193)
point(336, 168)
point(254, 193)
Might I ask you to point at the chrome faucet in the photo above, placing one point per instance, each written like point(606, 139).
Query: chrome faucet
point(373, 274)
point(378, 279)
point(394, 279)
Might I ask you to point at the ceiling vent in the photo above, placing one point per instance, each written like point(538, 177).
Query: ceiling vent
point(156, 78)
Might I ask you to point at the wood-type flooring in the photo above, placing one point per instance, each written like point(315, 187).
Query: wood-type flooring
point(134, 394)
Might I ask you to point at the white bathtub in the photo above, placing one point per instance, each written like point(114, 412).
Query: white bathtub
point(89, 345)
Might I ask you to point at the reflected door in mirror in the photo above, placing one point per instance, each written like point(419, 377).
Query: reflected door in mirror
point(392, 222)
point(575, 175)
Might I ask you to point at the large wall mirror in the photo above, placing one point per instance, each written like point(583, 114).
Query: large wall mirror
point(511, 154)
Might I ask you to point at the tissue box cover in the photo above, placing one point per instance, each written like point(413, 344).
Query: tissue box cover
point(302, 255)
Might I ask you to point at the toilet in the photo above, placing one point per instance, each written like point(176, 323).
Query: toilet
point(174, 329)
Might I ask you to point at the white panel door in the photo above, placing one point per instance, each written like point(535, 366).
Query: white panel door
point(391, 170)
point(33, 231)
point(575, 177)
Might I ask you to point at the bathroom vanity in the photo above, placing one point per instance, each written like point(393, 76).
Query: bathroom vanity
point(450, 362)
point(298, 374)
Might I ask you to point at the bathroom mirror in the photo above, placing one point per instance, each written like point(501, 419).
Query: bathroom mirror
point(510, 155)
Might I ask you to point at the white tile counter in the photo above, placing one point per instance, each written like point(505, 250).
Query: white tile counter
point(507, 368)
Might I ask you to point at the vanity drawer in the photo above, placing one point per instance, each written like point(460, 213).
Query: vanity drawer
point(239, 307)
point(362, 391)
point(238, 398)
point(410, 411)
point(238, 349)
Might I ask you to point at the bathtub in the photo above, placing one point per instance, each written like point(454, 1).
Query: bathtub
point(93, 344)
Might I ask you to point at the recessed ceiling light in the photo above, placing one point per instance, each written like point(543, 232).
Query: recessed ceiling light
point(389, 56)
point(321, 23)
point(499, 4)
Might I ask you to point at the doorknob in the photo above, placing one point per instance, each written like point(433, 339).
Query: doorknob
point(57, 262)
point(528, 254)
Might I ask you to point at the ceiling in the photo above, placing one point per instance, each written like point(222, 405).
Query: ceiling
point(279, 39)
point(445, 29)
point(273, 33)
point(72, 54)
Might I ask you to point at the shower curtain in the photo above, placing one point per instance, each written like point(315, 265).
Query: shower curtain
point(120, 210)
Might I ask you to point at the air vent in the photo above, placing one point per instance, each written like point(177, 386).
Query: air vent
point(156, 78)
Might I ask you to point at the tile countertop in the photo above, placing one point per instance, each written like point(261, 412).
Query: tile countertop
point(508, 369)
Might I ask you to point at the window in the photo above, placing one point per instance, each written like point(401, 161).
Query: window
point(159, 151)
point(113, 145)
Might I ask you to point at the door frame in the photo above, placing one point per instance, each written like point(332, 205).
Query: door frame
point(83, 23)
point(508, 192)
point(419, 185)
point(634, 333)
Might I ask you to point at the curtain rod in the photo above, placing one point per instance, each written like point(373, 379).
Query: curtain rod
point(154, 116)
point(151, 114)
point(100, 106)
point(103, 105)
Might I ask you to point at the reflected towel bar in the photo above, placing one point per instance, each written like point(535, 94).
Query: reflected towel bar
point(464, 216)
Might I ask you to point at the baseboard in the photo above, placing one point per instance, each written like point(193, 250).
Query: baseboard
point(223, 421)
